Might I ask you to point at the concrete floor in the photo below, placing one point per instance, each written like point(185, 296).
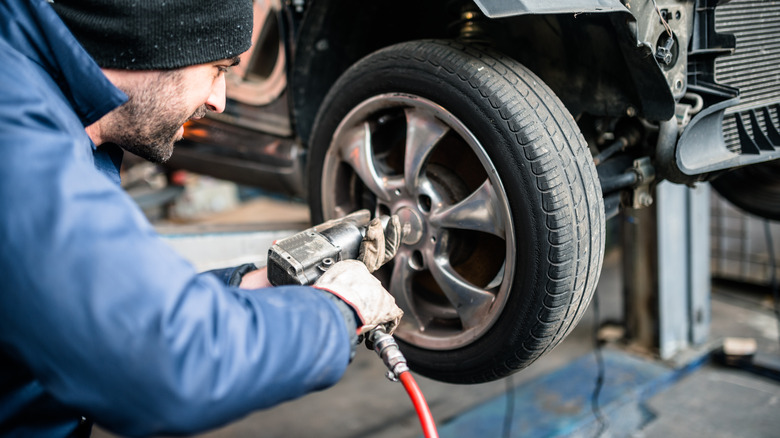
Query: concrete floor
point(365, 404)
point(716, 401)
point(711, 401)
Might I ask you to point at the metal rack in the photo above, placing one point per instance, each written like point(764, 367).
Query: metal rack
point(739, 245)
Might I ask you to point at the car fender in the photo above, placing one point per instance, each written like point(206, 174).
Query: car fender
point(330, 40)
point(510, 8)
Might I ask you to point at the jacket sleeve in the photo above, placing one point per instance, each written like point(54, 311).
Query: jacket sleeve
point(232, 276)
point(113, 322)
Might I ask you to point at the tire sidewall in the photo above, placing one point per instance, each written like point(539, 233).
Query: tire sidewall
point(379, 74)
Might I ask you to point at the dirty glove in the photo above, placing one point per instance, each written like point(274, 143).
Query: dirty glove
point(351, 281)
point(379, 246)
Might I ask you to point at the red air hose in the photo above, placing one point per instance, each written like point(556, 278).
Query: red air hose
point(423, 412)
point(386, 347)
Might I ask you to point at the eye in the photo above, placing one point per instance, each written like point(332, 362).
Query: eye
point(221, 70)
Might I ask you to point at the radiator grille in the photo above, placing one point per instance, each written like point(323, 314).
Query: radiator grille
point(754, 68)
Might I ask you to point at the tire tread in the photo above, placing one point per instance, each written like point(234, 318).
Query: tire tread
point(565, 178)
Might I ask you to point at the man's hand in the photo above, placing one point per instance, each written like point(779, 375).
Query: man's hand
point(379, 246)
point(351, 281)
point(256, 279)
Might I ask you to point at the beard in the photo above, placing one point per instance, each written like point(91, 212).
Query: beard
point(147, 124)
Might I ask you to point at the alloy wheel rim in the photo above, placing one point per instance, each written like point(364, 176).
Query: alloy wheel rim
point(445, 218)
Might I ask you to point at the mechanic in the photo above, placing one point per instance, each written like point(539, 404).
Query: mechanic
point(100, 320)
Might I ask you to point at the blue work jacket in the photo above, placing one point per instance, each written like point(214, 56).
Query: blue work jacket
point(99, 317)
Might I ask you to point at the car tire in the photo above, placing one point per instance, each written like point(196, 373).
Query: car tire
point(755, 188)
point(505, 240)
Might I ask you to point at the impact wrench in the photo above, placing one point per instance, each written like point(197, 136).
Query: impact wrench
point(303, 257)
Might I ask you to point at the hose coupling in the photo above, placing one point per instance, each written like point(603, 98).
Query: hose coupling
point(387, 349)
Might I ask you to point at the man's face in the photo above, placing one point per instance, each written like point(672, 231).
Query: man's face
point(159, 104)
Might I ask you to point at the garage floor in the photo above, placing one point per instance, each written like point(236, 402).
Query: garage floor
point(641, 396)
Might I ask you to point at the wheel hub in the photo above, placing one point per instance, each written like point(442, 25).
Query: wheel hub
point(444, 207)
point(412, 225)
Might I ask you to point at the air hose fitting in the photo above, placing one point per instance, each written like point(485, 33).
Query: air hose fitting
point(386, 347)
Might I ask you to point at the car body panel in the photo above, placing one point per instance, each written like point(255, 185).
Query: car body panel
point(509, 8)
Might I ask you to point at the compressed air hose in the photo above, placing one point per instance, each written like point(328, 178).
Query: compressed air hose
point(386, 347)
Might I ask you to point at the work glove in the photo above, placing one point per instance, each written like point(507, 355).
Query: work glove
point(380, 245)
point(351, 281)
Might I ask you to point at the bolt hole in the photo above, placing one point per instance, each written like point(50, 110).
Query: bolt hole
point(417, 260)
point(678, 84)
point(425, 203)
point(397, 192)
point(433, 239)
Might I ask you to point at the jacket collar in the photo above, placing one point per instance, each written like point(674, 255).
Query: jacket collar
point(34, 29)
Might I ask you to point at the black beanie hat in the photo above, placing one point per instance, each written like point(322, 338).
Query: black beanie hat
point(158, 34)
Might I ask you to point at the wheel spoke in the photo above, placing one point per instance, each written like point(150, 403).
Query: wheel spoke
point(393, 183)
point(423, 132)
point(471, 302)
point(401, 289)
point(446, 305)
point(480, 211)
point(356, 149)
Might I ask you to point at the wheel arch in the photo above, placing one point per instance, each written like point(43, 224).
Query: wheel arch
point(613, 74)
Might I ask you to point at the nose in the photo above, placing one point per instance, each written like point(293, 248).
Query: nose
point(216, 99)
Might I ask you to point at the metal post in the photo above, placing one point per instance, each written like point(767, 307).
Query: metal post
point(666, 270)
point(640, 274)
point(700, 276)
